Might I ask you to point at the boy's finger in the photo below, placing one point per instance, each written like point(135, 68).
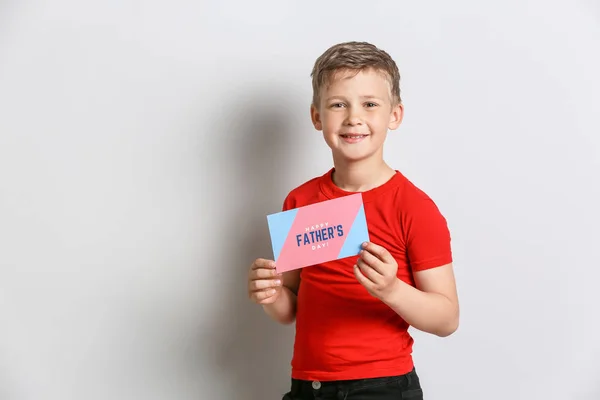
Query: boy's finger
point(262, 273)
point(362, 279)
point(378, 251)
point(265, 284)
point(263, 263)
point(372, 261)
point(368, 272)
point(263, 294)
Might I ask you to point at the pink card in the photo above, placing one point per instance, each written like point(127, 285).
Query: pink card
point(317, 233)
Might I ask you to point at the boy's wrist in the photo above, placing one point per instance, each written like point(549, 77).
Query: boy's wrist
point(390, 296)
point(283, 309)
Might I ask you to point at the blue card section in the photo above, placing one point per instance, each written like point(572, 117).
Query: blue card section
point(280, 225)
point(359, 233)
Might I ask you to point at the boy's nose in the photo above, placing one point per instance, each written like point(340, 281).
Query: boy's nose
point(353, 118)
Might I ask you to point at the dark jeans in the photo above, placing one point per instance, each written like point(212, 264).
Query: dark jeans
point(389, 388)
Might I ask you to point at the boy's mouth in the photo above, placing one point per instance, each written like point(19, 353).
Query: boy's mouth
point(353, 137)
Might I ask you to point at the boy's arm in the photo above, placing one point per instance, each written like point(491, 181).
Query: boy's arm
point(430, 307)
point(283, 310)
point(433, 305)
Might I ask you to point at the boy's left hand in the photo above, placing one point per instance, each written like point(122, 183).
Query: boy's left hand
point(376, 270)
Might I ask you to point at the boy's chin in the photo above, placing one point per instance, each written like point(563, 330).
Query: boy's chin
point(352, 156)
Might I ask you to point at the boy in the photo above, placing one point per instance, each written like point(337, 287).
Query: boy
point(352, 314)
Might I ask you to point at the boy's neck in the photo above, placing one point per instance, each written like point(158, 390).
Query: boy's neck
point(361, 176)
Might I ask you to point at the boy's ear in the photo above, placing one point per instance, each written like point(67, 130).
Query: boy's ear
point(396, 116)
point(315, 116)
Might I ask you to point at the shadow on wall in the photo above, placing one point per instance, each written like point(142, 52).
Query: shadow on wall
point(254, 352)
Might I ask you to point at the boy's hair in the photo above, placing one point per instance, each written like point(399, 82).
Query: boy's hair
point(354, 56)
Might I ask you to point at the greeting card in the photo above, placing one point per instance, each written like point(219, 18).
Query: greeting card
point(317, 233)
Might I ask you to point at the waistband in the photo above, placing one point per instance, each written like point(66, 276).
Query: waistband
point(328, 388)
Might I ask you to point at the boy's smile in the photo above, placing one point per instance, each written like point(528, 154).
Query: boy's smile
point(353, 137)
point(355, 112)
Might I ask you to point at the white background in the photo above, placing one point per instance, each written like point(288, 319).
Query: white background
point(143, 143)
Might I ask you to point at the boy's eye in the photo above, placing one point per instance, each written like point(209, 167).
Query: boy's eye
point(337, 105)
point(371, 105)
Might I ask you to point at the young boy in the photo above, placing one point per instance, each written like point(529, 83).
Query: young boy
point(352, 314)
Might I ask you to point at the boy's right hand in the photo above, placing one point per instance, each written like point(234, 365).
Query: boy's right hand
point(264, 283)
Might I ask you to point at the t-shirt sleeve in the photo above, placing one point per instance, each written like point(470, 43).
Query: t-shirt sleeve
point(288, 203)
point(427, 237)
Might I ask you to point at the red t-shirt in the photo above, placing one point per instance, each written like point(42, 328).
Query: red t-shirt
point(342, 332)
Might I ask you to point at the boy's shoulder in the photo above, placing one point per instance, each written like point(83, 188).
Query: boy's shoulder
point(412, 191)
point(414, 199)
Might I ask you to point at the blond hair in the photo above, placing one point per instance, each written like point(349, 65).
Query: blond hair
point(354, 56)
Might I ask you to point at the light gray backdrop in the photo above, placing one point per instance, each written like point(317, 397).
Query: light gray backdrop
point(143, 143)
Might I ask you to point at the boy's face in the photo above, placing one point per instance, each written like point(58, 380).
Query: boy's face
point(355, 113)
